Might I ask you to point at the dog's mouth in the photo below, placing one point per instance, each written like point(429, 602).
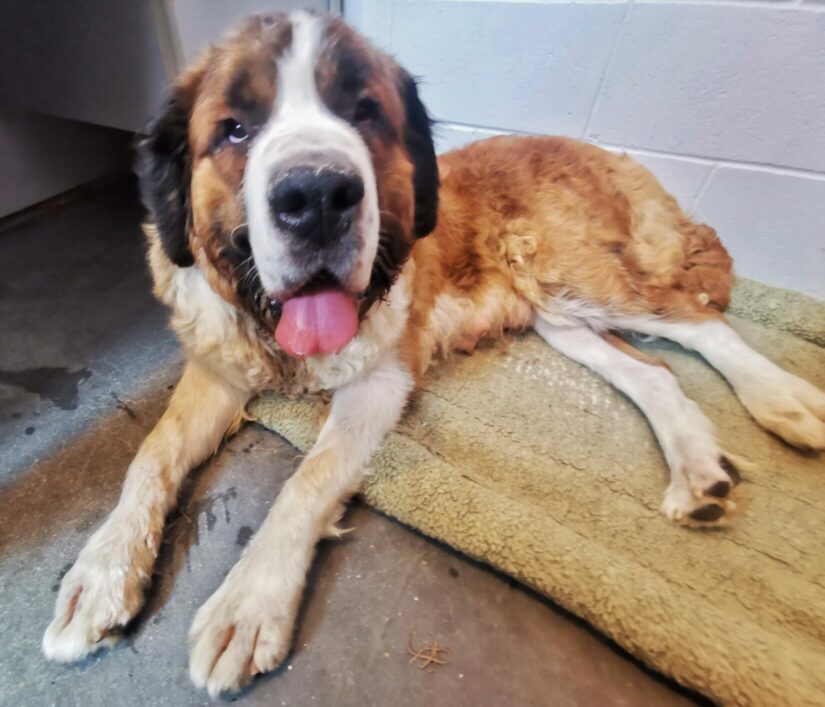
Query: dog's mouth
point(319, 317)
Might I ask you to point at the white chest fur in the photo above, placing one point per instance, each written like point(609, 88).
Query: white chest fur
point(229, 343)
point(379, 332)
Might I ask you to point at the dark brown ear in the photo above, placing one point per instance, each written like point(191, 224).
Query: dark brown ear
point(419, 142)
point(164, 170)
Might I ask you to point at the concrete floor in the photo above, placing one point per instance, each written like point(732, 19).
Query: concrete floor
point(85, 367)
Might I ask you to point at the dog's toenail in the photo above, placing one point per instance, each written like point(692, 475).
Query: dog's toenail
point(719, 490)
point(707, 513)
point(730, 469)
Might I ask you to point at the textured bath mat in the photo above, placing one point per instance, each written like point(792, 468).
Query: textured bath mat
point(523, 459)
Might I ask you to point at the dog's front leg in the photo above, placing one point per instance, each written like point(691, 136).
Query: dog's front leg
point(104, 588)
point(246, 626)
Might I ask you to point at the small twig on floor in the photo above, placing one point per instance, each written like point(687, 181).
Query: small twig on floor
point(429, 655)
point(123, 406)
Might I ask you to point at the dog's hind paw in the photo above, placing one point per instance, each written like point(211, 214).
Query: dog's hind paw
point(788, 406)
point(703, 499)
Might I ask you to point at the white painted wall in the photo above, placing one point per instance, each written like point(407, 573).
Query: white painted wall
point(42, 156)
point(723, 100)
point(67, 69)
point(198, 22)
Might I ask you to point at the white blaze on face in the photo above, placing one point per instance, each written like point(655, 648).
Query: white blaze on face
point(303, 128)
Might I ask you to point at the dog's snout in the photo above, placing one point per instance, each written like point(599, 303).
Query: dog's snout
point(316, 204)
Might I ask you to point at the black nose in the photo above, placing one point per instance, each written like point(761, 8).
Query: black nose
point(316, 204)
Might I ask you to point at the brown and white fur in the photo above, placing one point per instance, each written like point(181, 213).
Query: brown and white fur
point(535, 232)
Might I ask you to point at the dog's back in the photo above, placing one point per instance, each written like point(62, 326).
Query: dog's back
point(561, 226)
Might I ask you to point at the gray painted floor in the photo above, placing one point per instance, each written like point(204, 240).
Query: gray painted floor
point(85, 367)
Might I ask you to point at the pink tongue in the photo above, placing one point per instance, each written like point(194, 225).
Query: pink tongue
point(321, 323)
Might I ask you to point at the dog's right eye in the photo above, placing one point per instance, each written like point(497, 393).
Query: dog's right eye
point(236, 133)
point(233, 131)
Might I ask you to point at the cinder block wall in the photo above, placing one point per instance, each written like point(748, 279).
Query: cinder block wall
point(724, 100)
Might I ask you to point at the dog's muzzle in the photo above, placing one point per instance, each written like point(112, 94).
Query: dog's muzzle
point(312, 202)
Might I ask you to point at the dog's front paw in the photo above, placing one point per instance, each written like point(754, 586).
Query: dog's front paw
point(245, 628)
point(100, 593)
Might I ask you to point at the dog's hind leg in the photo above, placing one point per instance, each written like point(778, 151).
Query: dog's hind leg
point(788, 406)
point(701, 477)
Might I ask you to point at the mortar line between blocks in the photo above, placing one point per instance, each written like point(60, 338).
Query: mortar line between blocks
point(798, 172)
point(607, 68)
point(794, 5)
point(723, 161)
point(703, 188)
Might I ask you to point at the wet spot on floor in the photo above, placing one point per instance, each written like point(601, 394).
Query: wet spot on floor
point(16, 415)
point(60, 576)
point(453, 572)
point(57, 384)
point(207, 508)
point(244, 533)
point(30, 430)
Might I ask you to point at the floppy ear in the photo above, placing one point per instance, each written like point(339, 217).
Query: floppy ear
point(419, 142)
point(164, 169)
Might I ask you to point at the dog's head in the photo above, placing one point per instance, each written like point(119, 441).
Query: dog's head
point(294, 161)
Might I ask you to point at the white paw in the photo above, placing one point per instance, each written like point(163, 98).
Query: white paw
point(702, 477)
point(244, 628)
point(788, 406)
point(712, 506)
point(101, 592)
point(701, 496)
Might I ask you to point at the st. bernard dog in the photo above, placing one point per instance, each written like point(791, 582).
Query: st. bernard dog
point(290, 182)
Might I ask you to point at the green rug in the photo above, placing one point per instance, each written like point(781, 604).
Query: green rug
point(523, 459)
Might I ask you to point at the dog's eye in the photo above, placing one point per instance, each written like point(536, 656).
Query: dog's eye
point(235, 132)
point(367, 110)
